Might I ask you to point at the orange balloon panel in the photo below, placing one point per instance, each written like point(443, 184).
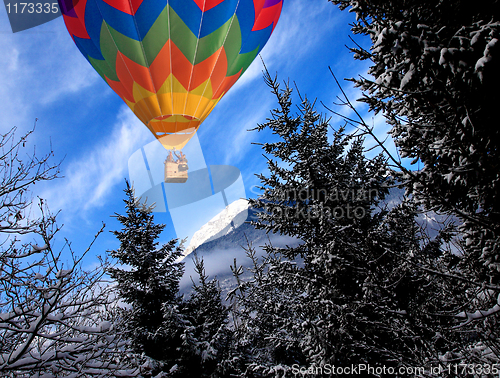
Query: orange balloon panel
point(171, 61)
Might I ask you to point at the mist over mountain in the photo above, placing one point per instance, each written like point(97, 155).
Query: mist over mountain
point(224, 238)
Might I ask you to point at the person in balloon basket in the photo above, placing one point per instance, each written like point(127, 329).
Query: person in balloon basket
point(170, 158)
point(181, 159)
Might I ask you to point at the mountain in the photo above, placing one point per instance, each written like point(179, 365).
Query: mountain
point(222, 224)
point(223, 239)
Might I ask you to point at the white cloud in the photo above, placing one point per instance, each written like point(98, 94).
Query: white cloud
point(217, 262)
point(241, 137)
point(12, 60)
point(91, 178)
point(39, 67)
point(292, 38)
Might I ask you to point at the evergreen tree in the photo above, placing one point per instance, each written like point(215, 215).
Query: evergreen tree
point(267, 336)
point(351, 292)
point(434, 78)
point(208, 318)
point(149, 283)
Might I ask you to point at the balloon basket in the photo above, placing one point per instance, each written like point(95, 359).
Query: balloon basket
point(175, 172)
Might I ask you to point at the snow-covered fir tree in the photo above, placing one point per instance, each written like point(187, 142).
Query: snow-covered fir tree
point(185, 338)
point(148, 281)
point(208, 325)
point(435, 78)
point(352, 292)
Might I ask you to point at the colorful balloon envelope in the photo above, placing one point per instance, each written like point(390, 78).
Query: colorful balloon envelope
point(171, 61)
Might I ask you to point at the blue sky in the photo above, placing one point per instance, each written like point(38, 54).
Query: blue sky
point(44, 76)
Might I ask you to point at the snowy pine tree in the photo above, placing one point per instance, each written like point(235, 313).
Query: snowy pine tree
point(434, 78)
point(267, 336)
point(149, 283)
point(208, 318)
point(352, 292)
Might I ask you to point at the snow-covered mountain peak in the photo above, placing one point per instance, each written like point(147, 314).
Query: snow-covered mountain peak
point(226, 220)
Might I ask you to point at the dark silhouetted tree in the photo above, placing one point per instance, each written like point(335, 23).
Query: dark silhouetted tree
point(351, 292)
point(149, 283)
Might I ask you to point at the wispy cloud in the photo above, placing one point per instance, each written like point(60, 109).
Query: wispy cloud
point(292, 39)
point(241, 138)
point(38, 69)
point(90, 178)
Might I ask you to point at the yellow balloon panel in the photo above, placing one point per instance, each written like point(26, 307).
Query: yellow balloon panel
point(171, 61)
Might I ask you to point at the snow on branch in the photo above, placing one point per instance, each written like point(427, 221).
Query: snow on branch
point(56, 319)
point(479, 314)
point(18, 171)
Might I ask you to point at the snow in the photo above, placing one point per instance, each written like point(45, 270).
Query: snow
point(442, 59)
point(37, 248)
point(479, 314)
point(487, 56)
point(105, 326)
point(216, 224)
point(63, 273)
point(406, 79)
point(449, 177)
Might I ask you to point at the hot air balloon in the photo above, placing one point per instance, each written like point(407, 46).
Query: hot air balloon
point(171, 61)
